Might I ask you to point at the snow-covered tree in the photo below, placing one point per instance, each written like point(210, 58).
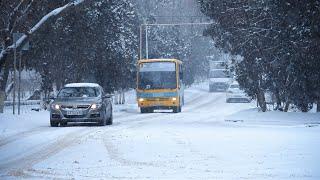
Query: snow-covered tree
point(278, 41)
point(25, 16)
point(95, 43)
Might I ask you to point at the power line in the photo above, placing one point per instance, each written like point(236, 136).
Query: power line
point(164, 24)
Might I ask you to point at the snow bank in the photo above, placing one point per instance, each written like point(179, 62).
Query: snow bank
point(13, 124)
point(253, 116)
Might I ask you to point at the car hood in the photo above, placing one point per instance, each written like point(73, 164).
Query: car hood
point(68, 101)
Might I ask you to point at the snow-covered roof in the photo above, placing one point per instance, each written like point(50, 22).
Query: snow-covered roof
point(82, 85)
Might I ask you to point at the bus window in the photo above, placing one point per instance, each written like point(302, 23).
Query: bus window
point(157, 75)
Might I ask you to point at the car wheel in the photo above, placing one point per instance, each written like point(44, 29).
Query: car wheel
point(227, 100)
point(63, 124)
point(102, 122)
point(54, 123)
point(104, 119)
point(110, 119)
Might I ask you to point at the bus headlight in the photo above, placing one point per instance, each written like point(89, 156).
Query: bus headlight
point(141, 99)
point(174, 99)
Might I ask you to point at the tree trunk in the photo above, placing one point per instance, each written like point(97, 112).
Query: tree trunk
point(304, 107)
point(278, 101)
point(2, 98)
point(286, 107)
point(262, 101)
point(3, 83)
point(123, 97)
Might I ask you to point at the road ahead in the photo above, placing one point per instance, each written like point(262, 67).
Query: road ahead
point(199, 143)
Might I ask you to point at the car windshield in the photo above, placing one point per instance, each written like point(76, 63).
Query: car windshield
point(157, 75)
point(69, 92)
point(218, 74)
point(234, 86)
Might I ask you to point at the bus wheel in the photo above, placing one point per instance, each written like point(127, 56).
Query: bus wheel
point(150, 110)
point(176, 109)
point(143, 110)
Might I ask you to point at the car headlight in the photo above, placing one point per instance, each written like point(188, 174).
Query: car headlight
point(174, 99)
point(56, 106)
point(95, 106)
point(141, 99)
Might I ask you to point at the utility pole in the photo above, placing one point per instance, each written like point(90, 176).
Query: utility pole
point(19, 83)
point(147, 48)
point(25, 47)
point(14, 76)
point(140, 55)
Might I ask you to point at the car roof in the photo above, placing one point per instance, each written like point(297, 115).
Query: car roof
point(159, 60)
point(82, 85)
point(212, 70)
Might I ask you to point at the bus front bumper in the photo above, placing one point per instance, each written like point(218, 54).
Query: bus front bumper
point(159, 103)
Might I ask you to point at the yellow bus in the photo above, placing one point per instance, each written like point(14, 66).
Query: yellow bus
point(159, 85)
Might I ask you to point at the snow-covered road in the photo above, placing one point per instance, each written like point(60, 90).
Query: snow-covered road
point(210, 139)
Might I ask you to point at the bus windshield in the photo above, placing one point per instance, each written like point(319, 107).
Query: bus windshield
point(157, 75)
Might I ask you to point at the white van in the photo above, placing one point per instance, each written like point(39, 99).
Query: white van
point(219, 80)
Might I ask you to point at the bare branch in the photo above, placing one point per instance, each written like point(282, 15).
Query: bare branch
point(43, 20)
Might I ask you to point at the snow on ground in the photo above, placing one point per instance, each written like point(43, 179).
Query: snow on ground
point(12, 124)
point(210, 139)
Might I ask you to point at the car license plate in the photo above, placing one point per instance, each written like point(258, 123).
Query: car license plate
point(74, 112)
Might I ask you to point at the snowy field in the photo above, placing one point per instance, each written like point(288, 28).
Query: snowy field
point(210, 139)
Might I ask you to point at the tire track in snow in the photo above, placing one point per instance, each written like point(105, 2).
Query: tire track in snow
point(203, 102)
point(117, 156)
point(16, 167)
point(24, 134)
point(19, 165)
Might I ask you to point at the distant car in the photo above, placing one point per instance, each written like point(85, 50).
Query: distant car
point(235, 94)
point(81, 102)
point(219, 80)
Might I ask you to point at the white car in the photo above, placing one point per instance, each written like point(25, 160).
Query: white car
point(219, 80)
point(235, 94)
